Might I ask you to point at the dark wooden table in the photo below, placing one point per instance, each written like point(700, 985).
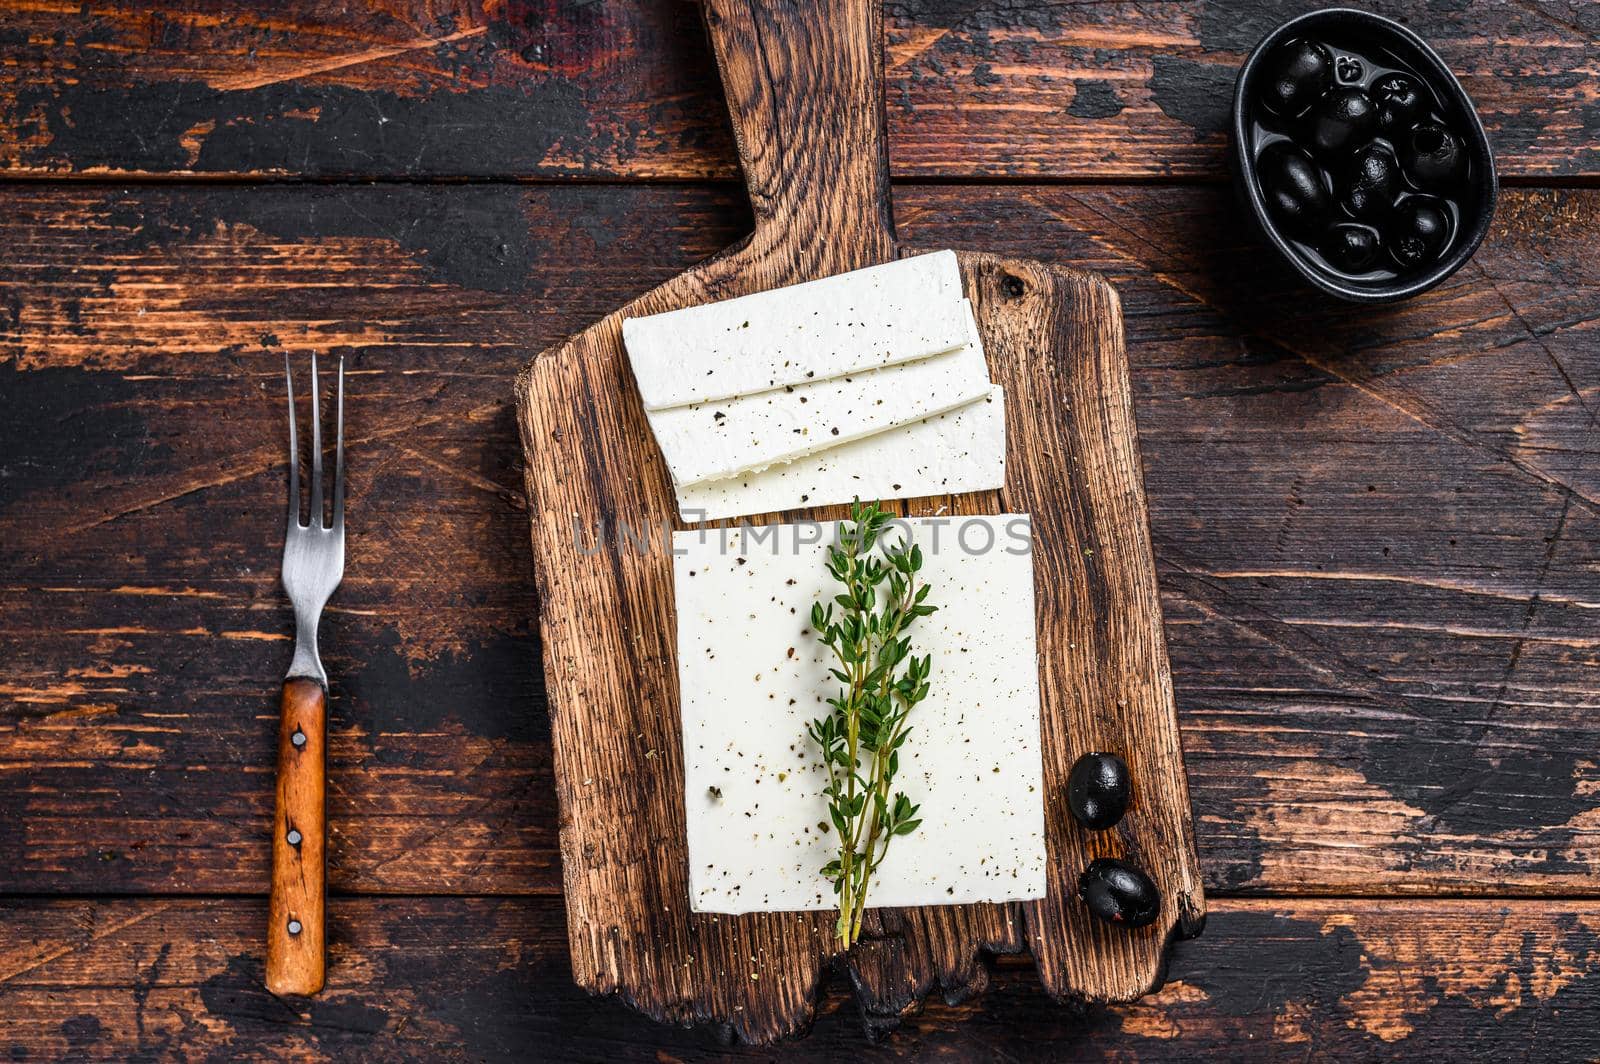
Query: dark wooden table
point(1376, 529)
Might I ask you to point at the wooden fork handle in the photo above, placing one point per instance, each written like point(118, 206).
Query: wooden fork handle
point(295, 929)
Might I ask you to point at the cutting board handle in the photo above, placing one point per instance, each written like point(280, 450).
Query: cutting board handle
point(804, 83)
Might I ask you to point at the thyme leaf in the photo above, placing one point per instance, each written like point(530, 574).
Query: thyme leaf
point(881, 680)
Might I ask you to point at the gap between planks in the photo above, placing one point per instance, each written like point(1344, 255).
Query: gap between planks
point(119, 179)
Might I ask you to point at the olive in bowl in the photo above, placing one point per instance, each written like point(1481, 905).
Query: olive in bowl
point(1295, 188)
point(1342, 121)
point(1434, 157)
point(1373, 183)
point(1380, 186)
point(1400, 103)
point(1296, 78)
point(1353, 248)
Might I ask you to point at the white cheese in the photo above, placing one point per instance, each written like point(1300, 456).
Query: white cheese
point(959, 451)
point(709, 441)
point(752, 676)
point(896, 312)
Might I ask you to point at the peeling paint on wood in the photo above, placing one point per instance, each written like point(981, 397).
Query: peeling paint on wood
point(1373, 533)
point(1371, 530)
point(626, 88)
point(1271, 980)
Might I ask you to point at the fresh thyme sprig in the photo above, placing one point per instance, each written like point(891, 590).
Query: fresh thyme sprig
point(882, 680)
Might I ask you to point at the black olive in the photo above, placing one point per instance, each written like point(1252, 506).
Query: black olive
point(1342, 120)
point(1296, 73)
point(1098, 789)
point(1374, 180)
point(1352, 248)
point(1118, 893)
point(1292, 184)
point(1420, 232)
point(1399, 101)
point(1433, 156)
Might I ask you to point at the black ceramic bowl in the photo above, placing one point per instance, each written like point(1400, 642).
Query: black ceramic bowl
point(1386, 44)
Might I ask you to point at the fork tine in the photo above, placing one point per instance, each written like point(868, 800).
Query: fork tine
point(294, 446)
point(315, 517)
point(338, 454)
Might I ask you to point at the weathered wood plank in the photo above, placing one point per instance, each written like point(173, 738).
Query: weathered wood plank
point(487, 979)
point(1374, 528)
point(626, 88)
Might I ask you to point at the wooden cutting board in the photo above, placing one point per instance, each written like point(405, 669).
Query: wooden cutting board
point(805, 92)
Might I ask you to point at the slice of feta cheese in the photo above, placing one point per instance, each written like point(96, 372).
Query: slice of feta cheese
point(710, 441)
point(896, 312)
point(752, 675)
point(961, 450)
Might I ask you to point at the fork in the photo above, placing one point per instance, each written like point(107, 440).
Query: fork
point(313, 564)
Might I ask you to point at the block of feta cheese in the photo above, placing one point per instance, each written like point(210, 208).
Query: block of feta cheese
point(752, 676)
point(959, 451)
point(896, 312)
point(716, 439)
